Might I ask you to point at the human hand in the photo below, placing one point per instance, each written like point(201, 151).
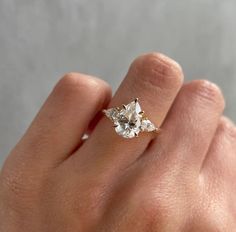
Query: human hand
point(182, 179)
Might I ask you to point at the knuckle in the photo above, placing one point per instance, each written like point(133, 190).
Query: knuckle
point(158, 70)
point(210, 221)
point(227, 127)
point(206, 91)
point(10, 181)
point(15, 186)
point(69, 81)
point(155, 206)
point(86, 201)
point(155, 211)
point(19, 181)
point(81, 85)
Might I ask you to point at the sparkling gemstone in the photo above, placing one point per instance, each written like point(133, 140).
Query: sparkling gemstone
point(112, 113)
point(129, 121)
point(147, 125)
point(128, 124)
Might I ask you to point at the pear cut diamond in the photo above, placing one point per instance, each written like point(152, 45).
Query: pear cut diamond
point(112, 113)
point(147, 125)
point(129, 121)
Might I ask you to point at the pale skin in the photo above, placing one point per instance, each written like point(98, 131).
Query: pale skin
point(181, 179)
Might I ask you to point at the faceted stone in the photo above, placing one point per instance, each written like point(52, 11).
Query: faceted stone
point(112, 113)
point(129, 121)
point(147, 125)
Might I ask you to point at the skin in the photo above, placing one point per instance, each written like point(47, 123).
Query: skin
point(182, 179)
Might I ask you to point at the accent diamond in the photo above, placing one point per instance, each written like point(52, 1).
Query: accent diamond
point(147, 125)
point(112, 113)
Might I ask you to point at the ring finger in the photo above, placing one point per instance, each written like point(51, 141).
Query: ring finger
point(155, 79)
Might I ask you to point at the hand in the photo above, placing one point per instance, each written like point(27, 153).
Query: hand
point(182, 179)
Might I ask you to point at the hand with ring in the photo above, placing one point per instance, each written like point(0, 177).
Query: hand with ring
point(90, 162)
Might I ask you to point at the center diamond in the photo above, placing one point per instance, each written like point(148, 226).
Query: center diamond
point(128, 124)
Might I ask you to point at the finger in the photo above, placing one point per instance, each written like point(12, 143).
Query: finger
point(221, 157)
point(155, 80)
point(59, 126)
point(189, 127)
point(218, 169)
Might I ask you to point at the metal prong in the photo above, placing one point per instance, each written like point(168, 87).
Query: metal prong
point(124, 106)
point(136, 100)
point(141, 112)
point(136, 135)
point(115, 126)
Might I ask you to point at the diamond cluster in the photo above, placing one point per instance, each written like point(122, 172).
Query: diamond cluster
point(129, 120)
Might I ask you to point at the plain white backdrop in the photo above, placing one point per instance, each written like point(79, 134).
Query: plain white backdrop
point(42, 40)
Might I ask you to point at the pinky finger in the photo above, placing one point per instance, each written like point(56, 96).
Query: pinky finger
point(220, 161)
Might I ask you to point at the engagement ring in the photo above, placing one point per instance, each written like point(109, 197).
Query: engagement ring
point(129, 120)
